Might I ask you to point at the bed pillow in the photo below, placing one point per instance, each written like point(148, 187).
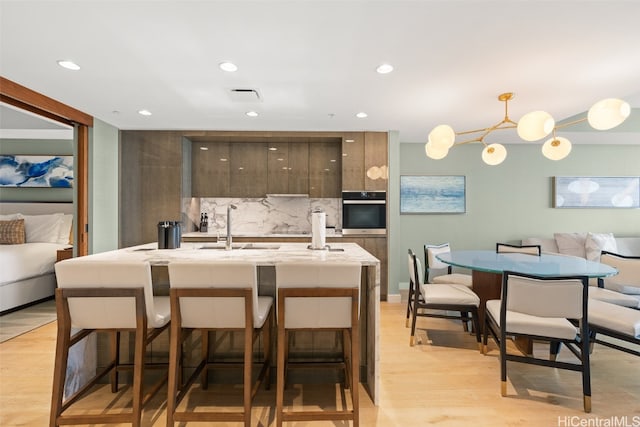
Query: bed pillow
point(10, 217)
point(598, 242)
point(571, 244)
point(65, 236)
point(42, 228)
point(12, 232)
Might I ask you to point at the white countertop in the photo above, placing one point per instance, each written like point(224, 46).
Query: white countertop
point(215, 235)
point(260, 253)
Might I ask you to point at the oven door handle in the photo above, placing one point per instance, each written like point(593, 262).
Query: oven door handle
point(364, 202)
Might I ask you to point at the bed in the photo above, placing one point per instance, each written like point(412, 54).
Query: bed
point(27, 269)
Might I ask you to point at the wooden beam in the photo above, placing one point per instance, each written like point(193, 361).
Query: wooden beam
point(14, 94)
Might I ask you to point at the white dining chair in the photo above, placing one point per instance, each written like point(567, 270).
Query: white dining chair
point(216, 296)
point(437, 271)
point(114, 297)
point(504, 248)
point(319, 296)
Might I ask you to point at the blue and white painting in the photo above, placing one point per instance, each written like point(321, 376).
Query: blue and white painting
point(432, 194)
point(36, 171)
point(597, 192)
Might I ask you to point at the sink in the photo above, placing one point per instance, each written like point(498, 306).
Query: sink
point(236, 246)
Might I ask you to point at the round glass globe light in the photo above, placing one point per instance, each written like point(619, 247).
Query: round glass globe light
point(442, 136)
point(435, 153)
point(374, 173)
point(494, 154)
point(556, 148)
point(608, 113)
point(535, 125)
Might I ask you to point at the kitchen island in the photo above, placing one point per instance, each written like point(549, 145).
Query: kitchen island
point(266, 255)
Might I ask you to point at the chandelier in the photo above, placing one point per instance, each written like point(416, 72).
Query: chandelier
point(603, 115)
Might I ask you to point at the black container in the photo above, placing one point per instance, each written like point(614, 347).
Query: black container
point(169, 234)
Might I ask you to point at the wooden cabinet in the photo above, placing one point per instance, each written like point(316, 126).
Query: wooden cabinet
point(365, 161)
point(376, 163)
point(353, 161)
point(210, 169)
point(288, 167)
point(325, 168)
point(247, 169)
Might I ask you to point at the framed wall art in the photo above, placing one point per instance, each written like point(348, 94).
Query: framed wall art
point(596, 192)
point(432, 194)
point(40, 171)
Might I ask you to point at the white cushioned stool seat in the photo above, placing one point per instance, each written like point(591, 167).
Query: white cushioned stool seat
point(449, 294)
point(533, 325)
point(614, 297)
point(621, 319)
point(453, 278)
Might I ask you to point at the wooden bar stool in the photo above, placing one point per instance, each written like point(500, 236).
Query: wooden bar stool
point(216, 296)
point(319, 296)
point(112, 296)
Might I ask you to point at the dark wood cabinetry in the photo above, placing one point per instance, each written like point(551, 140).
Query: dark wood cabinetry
point(365, 161)
point(353, 171)
point(248, 161)
point(324, 168)
point(288, 167)
point(211, 160)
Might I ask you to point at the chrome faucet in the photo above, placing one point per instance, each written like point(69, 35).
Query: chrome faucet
point(228, 241)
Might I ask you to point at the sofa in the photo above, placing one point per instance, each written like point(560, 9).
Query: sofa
point(586, 245)
point(622, 289)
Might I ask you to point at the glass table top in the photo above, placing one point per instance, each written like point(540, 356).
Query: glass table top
point(544, 265)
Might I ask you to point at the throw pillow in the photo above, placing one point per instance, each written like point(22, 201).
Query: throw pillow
point(12, 232)
point(571, 243)
point(598, 242)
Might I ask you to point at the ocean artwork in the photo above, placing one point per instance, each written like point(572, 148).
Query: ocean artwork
point(36, 171)
point(422, 194)
point(596, 192)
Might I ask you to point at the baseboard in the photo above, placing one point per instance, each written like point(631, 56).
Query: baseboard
point(394, 298)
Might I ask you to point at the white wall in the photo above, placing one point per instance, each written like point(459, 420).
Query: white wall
point(506, 202)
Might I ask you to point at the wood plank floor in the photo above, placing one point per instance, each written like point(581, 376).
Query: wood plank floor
point(443, 381)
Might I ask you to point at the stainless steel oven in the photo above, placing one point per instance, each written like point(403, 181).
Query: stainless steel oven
point(364, 212)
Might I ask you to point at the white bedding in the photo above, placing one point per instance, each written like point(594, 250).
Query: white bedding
point(19, 262)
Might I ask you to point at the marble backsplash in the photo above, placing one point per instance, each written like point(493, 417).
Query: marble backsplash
point(269, 215)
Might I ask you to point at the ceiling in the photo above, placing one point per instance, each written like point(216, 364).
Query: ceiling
point(313, 62)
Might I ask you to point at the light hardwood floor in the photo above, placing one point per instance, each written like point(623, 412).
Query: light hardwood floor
point(443, 381)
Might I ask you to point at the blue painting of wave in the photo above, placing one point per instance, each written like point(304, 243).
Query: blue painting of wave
point(432, 194)
point(36, 171)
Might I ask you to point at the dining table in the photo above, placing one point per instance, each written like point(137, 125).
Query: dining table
point(487, 267)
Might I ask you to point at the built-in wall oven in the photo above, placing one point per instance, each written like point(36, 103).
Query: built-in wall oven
point(364, 212)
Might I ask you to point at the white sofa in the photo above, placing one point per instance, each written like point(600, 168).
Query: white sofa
point(589, 246)
point(629, 246)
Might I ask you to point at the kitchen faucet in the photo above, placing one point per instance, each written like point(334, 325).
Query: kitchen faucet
point(228, 241)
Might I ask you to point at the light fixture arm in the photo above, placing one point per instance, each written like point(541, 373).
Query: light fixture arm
point(505, 123)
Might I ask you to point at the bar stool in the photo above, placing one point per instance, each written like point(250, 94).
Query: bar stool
point(216, 296)
point(319, 296)
point(110, 296)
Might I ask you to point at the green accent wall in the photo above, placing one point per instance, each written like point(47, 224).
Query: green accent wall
point(62, 147)
point(504, 203)
point(103, 187)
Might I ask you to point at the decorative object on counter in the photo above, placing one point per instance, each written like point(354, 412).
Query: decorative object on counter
point(204, 222)
point(169, 234)
point(432, 194)
point(318, 229)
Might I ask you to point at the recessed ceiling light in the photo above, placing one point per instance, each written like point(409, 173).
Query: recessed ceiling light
point(69, 65)
point(204, 148)
point(251, 114)
point(384, 68)
point(229, 67)
point(144, 112)
point(361, 115)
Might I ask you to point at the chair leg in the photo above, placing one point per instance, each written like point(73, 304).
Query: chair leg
point(115, 357)
point(247, 377)
point(138, 373)
point(59, 373)
point(266, 337)
point(406, 325)
point(412, 340)
point(204, 351)
point(554, 349)
point(503, 364)
point(175, 361)
point(280, 372)
point(346, 357)
point(355, 373)
point(465, 321)
point(476, 327)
